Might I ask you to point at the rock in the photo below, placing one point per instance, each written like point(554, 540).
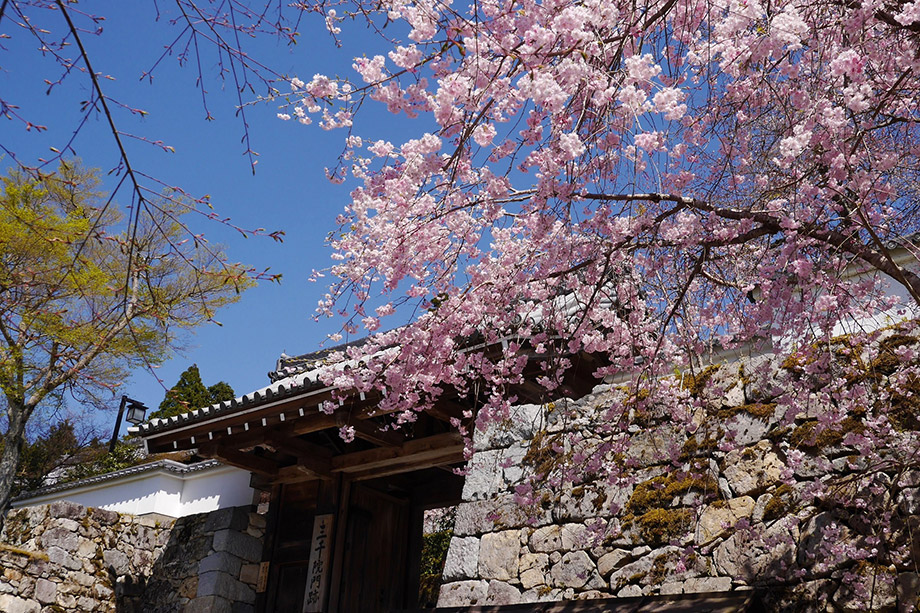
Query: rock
point(699, 585)
point(239, 544)
point(462, 559)
point(216, 583)
point(501, 512)
point(746, 556)
point(220, 561)
point(541, 595)
point(233, 518)
point(538, 561)
point(715, 519)
point(609, 561)
point(14, 604)
point(674, 587)
point(575, 536)
point(652, 446)
point(546, 539)
point(746, 428)
point(45, 591)
point(638, 571)
point(209, 604)
point(463, 593)
point(499, 555)
point(532, 578)
point(484, 477)
point(501, 593)
point(106, 518)
point(116, 561)
point(573, 570)
point(58, 556)
point(523, 422)
point(58, 536)
point(533, 569)
point(752, 469)
point(630, 591)
point(64, 509)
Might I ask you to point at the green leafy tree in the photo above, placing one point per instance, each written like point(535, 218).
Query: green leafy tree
point(49, 452)
point(190, 393)
point(85, 298)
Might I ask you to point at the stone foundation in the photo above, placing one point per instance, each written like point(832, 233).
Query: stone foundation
point(66, 557)
point(732, 506)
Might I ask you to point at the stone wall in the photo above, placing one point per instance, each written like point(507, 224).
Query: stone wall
point(66, 557)
point(725, 501)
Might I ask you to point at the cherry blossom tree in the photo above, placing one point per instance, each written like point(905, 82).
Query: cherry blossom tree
point(624, 177)
point(649, 182)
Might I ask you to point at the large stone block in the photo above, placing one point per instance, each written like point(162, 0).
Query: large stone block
point(223, 561)
point(106, 518)
point(15, 604)
point(216, 583)
point(462, 560)
point(463, 593)
point(502, 512)
point(239, 544)
point(67, 510)
point(574, 570)
point(484, 475)
point(117, 561)
point(523, 421)
point(59, 537)
point(501, 593)
point(235, 518)
point(45, 591)
point(209, 604)
point(58, 556)
point(752, 469)
point(716, 519)
point(499, 555)
point(546, 539)
point(612, 560)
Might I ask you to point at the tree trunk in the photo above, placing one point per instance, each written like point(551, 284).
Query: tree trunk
point(9, 460)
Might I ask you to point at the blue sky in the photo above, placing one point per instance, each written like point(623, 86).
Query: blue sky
point(289, 191)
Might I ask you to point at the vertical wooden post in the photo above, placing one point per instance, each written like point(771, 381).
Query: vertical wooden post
point(343, 488)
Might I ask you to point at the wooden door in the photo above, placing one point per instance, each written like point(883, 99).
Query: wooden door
point(375, 560)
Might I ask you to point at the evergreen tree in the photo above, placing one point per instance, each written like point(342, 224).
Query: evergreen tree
point(189, 393)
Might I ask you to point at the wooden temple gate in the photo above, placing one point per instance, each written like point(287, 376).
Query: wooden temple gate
point(344, 527)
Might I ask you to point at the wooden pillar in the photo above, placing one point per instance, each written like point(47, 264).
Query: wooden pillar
point(342, 488)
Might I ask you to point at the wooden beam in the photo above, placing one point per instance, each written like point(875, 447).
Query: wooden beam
point(371, 432)
point(445, 456)
point(312, 423)
point(234, 457)
point(296, 474)
point(420, 453)
point(311, 458)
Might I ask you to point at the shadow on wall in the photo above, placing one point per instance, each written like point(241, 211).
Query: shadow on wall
point(209, 564)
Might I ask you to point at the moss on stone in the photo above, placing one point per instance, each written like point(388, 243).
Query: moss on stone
point(35, 555)
point(661, 526)
point(695, 383)
point(806, 435)
point(694, 447)
point(759, 410)
point(887, 361)
point(779, 504)
point(658, 492)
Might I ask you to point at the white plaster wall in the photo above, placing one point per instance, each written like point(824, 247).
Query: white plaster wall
point(160, 491)
point(218, 488)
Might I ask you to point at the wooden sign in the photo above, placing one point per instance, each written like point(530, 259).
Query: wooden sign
point(320, 569)
point(263, 578)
